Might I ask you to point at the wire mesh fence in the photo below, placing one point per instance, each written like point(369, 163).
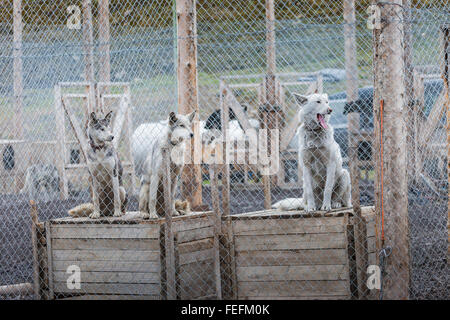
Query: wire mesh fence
point(179, 149)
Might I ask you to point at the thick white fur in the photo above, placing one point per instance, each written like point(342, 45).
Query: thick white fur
point(147, 143)
point(326, 185)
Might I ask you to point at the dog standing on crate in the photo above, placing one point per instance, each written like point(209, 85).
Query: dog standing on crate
point(326, 185)
point(108, 194)
point(147, 143)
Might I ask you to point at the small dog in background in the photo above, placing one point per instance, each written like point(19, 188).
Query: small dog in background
point(147, 143)
point(41, 183)
point(326, 185)
point(108, 194)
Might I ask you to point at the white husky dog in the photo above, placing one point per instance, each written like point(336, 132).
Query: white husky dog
point(326, 184)
point(147, 143)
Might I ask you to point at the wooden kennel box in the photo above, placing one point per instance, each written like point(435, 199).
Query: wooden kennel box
point(294, 255)
point(124, 258)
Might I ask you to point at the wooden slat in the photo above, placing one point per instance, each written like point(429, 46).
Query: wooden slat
point(106, 255)
point(111, 266)
point(112, 277)
point(110, 288)
point(291, 258)
point(104, 232)
point(196, 256)
point(192, 224)
point(287, 242)
point(197, 234)
point(286, 273)
point(289, 226)
point(195, 245)
point(292, 288)
point(104, 244)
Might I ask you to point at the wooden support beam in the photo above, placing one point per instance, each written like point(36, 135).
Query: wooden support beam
point(88, 40)
point(225, 164)
point(391, 170)
point(188, 92)
point(351, 71)
point(104, 39)
point(169, 241)
point(17, 69)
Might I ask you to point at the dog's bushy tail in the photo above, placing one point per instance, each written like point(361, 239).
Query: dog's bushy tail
point(289, 204)
point(82, 210)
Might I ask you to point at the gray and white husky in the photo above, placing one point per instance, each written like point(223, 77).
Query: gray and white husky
point(326, 185)
point(147, 143)
point(108, 194)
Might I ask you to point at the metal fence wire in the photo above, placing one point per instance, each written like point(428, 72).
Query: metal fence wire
point(233, 149)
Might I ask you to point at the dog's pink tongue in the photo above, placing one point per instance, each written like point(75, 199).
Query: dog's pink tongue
point(322, 121)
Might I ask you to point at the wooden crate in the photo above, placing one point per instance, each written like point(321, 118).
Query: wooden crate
point(290, 255)
point(124, 258)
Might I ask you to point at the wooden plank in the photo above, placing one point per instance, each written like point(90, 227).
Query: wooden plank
point(111, 277)
point(291, 257)
point(114, 297)
point(197, 234)
point(287, 242)
point(195, 246)
point(110, 288)
point(88, 40)
point(49, 261)
point(17, 69)
point(192, 224)
point(286, 273)
point(106, 255)
point(104, 244)
point(104, 40)
point(292, 288)
point(196, 256)
point(104, 232)
point(112, 266)
point(289, 226)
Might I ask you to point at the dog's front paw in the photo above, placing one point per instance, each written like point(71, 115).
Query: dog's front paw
point(117, 213)
point(94, 215)
point(153, 215)
point(336, 205)
point(326, 207)
point(310, 208)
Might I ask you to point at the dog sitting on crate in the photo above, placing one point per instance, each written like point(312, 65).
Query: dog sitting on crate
point(147, 143)
point(108, 194)
point(326, 184)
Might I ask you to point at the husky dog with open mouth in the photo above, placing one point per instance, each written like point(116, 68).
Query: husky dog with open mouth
point(326, 185)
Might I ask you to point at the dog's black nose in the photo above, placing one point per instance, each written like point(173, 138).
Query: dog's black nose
point(329, 110)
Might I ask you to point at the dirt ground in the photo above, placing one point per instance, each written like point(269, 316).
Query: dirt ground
point(428, 213)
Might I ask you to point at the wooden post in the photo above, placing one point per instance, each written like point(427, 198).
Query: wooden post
point(351, 70)
point(411, 138)
point(217, 226)
point(18, 69)
point(391, 170)
point(446, 72)
point(225, 163)
point(188, 92)
point(270, 112)
point(88, 40)
point(104, 39)
point(168, 232)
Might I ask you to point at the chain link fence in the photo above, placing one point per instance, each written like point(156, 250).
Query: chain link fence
point(268, 149)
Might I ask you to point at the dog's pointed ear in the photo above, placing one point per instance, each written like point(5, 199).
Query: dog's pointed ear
point(192, 115)
point(108, 117)
point(300, 99)
point(93, 118)
point(172, 118)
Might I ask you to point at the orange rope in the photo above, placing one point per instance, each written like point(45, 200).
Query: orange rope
point(382, 174)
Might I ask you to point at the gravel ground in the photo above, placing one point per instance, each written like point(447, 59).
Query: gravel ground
point(428, 213)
